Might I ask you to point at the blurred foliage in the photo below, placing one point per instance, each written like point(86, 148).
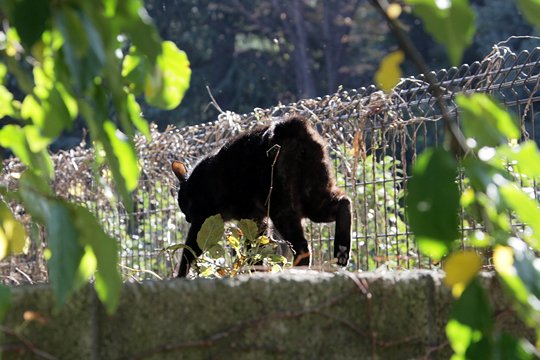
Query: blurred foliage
point(498, 172)
point(87, 61)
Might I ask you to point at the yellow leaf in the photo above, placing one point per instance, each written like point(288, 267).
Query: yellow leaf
point(264, 240)
point(503, 259)
point(12, 233)
point(389, 72)
point(233, 241)
point(393, 11)
point(460, 269)
point(4, 245)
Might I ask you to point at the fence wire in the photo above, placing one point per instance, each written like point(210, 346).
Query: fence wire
point(373, 138)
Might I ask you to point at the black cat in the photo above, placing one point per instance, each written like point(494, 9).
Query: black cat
point(282, 170)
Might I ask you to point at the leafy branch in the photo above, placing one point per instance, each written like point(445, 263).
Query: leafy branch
point(79, 60)
point(494, 165)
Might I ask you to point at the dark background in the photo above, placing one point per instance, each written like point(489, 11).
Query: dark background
point(259, 53)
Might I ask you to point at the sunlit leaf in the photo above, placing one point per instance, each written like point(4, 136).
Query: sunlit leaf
point(29, 147)
point(211, 232)
point(461, 268)
point(393, 10)
point(134, 111)
point(525, 208)
point(139, 27)
point(12, 233)
point(389, 72)
point(517, 267)
point(531, 10)
point(450, 22)
point(526, 155)
point(62, 236)
point(433, 201)
point(87, 267)
point(134, 69)
point(527, 266)
point(470, 323)
point(503, 260)
point(104, 135)
point(485, 121)
point(108, 281)
point(124, 150)
point(167, 82)
point(6, 103)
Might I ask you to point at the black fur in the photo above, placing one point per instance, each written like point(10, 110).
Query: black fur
point(235, 182)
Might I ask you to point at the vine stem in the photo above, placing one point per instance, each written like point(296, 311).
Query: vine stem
point(278, 148)
point(25, 344)
point(457, 142)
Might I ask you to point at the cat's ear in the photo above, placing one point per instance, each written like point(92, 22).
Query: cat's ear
point(180, 170)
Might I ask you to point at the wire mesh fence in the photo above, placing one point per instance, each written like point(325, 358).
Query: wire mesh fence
point(373, 138)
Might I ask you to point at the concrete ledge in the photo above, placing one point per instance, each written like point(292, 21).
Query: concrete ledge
point(294, 315)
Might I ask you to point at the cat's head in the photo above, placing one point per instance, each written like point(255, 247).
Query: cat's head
point(184, 200)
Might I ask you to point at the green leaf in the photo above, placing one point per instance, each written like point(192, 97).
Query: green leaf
point(470, 323)
point(108, 281)
point(433, 201)
point(83, 49)
point(524, 263)
point(485, 121)
point(3, 72)
point(28, 145)
point(249, 228)
point(53, 117)
point(62, 236)
point(531, 10)
point(526, 155)
point(5, 300)
point(134, 69)
point(525, 208)
point(450, 22)
point(139, 27)
point(480, 173)
point(134, 111)
point(516, 266)
point(211, 232)
point(6, 103)
point(508, 347)
point(105, 135)
point(168, 81)
point(30, 18)
point(124, 151)
point(78, 245)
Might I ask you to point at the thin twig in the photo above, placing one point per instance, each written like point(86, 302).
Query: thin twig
point(458, 144)
point(278, 147)
point(26, 344)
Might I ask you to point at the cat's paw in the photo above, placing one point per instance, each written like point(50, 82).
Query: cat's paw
point(342, 255)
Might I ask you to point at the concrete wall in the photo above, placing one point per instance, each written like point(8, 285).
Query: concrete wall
point(294, 315)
